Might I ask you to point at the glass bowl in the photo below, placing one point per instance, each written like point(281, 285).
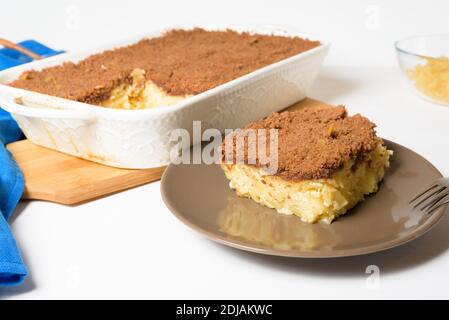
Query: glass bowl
point(425, 63)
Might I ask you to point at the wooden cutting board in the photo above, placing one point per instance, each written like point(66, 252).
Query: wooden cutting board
point(58, 177)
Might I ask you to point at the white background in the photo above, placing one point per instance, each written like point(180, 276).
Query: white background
point(130, 246)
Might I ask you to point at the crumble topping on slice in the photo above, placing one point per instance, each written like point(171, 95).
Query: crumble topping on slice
point(314, 143)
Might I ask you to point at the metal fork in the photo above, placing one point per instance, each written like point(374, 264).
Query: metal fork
point(433, 197)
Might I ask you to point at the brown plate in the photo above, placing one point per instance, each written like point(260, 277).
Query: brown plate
point(199, 196)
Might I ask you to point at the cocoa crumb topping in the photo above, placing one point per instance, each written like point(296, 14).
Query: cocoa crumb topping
point(181, 62)
point(314, 143)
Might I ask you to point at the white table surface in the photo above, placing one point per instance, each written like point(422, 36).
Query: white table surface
point(129, 245)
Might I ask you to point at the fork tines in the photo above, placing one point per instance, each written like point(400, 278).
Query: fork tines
point(431, 198)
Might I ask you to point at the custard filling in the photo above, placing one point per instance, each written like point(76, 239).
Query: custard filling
point(140, 94)
point(320, 200)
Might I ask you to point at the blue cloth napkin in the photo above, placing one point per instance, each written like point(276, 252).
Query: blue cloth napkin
point(12, 268)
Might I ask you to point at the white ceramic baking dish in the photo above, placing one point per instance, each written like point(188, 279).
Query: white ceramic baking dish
point(140, 138)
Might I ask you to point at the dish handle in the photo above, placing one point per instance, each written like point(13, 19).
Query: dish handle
point(15, 107)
